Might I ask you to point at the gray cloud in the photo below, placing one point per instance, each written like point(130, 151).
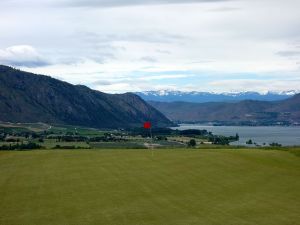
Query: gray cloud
point(153, 37)
point(288, 53)
point(88, 46)
point(224, 9)
point(101, 47)
point(29, 64)
point(101, 83)
point(163, 51)
point(119, 3)
point(148, 59)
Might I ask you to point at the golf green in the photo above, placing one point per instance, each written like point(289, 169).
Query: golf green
point(166, 187)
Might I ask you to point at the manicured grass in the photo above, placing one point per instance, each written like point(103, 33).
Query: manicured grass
point(176, 187)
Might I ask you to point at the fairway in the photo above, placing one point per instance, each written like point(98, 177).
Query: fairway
point(168, 187)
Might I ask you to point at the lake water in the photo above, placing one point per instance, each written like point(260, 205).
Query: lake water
point(286, 136)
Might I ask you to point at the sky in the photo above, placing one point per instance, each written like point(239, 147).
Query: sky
point(118, 46)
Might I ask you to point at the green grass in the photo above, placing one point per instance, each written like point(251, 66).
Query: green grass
point(51, 143)
point(79, 130)
point(21, 127)
point(56, 128)
point(168, 187)
point(136, 144)
point(119, 145)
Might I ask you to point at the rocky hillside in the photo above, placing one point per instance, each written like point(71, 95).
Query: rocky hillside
point(26, 97)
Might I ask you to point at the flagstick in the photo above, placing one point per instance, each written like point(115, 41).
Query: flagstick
point(151, 140)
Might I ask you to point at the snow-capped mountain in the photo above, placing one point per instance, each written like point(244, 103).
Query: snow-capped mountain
point(200, 97)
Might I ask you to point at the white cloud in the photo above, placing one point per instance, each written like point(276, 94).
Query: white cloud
point(108, 43)
point(22, 55)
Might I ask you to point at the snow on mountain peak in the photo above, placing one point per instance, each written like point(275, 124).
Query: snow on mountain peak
point(197, 96)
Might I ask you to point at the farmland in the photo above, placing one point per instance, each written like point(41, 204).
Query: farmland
point(166, 186)
point(43, 136)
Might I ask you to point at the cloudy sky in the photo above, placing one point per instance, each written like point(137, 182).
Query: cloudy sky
point(136, 45)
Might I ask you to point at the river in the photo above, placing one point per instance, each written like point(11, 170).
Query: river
point(287, 136)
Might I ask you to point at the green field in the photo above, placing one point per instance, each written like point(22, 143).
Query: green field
point(167, 187)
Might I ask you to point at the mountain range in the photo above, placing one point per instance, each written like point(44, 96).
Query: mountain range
point(247, 112)
point(201, 97)
point(27, 97)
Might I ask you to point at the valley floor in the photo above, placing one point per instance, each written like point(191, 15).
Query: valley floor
point(176, 187)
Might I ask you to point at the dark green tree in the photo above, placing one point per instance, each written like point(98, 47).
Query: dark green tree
point(249, 142)
point(192, 143)
point(237, 137)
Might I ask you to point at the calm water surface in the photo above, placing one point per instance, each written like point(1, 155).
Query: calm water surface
point(286, 136)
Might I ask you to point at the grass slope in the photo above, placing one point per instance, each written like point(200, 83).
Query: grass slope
point(232, 187)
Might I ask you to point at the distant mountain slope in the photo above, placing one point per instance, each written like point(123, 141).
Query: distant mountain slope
point(201, 97)
point(248, 111)
point(26, 97)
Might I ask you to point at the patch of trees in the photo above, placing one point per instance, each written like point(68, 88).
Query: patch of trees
point(22, 146)
point(275, 144)
point(222, 140)
point(233, 138)
point(219, 140)
point(236, 137)
point(106, 139)
point(2, 136)
point(46, 132)
point(161, 138)
point(16, 132)
point(156, 131)
point(68, 138)
point(193, 132)
point(69, 147)
point(13, 135)
point(11, 139)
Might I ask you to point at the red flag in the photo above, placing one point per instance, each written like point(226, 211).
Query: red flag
point(147, 125)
